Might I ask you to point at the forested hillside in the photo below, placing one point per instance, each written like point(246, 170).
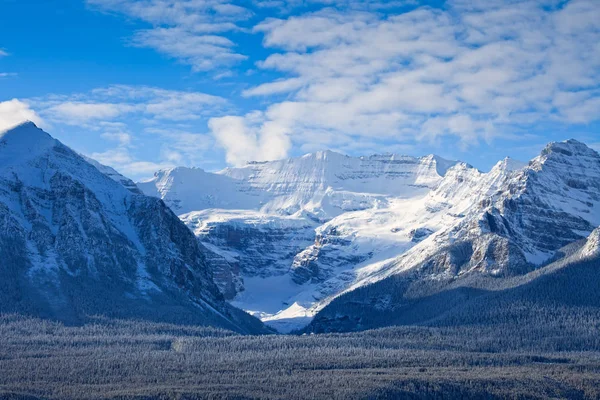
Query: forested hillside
point(133, 360)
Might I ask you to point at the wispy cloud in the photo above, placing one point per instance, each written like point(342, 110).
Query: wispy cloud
point(3, 53)
point(117, 101)
point(122, 138)
point(352, 75)
point(121, 159)
point(294, 5)
point(190, 31)
point(182, 147)
point(74, 112)
point(202, 52)
point(120, 152)
point(178, 148)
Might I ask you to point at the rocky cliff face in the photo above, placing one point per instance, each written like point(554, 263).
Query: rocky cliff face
point(75, 242)
point(250, 244)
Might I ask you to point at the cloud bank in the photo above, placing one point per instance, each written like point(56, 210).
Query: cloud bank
point(349, 75)
point(473, 70)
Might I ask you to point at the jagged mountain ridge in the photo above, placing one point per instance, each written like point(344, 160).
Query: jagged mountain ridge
point(75, 242)
point(446, 223)
point(509, 221)
point(514, 231)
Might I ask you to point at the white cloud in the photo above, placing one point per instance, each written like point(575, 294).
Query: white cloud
point(584, 111)
point(250, 138)
point(118, 101)
point(124, 139)
point(3, 53)
point(286, 6)
point(350, 76)
point(120, 159)
point(474, 70)
point(13, 112)
point(121, 156)
point(462, 126)
point(135, 123)
point(179, 148)
point(271, 88)
point(202, 52)
point(183, 147)
point(78, 112)
point(186, 30)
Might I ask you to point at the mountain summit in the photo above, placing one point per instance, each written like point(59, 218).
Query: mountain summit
point(75, 242)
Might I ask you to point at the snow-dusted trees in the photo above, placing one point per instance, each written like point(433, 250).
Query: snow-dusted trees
point(557, 357)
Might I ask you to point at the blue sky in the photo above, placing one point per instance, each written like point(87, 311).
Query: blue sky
point(147, 84)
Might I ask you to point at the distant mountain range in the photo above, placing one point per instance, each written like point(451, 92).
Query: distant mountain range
point(290, 237)
point(319, 243)
point(78, 240)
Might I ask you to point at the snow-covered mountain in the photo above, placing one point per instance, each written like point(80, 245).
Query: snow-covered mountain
point(520, 221)
point(78, 239)
point(320, 185)
point(269, 224)
point(566, 288)
point(292, 235)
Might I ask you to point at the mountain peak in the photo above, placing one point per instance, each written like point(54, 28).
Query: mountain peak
point(25, 127)
point(509, 164)
point(26, 131)
point(442, 165)
point(23, 123)
point(22, 142)
point(70, 232)
point(569, 148)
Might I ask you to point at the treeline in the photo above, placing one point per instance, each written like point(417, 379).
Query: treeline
point(141, 360)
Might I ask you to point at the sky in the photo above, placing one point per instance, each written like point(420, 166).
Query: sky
point(142, 85)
